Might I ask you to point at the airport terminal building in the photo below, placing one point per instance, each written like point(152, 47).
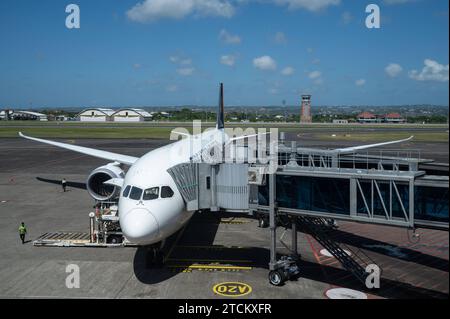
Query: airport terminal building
point(22, 115)
point(367, 117)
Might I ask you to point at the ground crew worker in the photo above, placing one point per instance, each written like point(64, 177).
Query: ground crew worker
point(64, 184)
point(22, 232)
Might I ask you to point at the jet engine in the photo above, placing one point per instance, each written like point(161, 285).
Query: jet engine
point(96, 186)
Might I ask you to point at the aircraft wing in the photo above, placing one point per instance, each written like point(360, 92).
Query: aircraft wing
point(124, 159)
point(247, 136)
point(363, 147)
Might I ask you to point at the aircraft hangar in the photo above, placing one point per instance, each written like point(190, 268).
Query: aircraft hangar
point(95, 115)
point(131, 115)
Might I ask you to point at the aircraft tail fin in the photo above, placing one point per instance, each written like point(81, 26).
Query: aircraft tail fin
point(220, 113)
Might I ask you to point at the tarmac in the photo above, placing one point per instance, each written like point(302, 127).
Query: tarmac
point(212, 249)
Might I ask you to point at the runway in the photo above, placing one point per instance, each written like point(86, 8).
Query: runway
point(212, 249)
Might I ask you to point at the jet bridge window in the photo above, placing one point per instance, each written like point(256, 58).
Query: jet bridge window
point(135, 193)
point(151, 193)
point(166, 192)
point(126, 191)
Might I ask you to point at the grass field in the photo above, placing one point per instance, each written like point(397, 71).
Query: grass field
point(383, 136)
point(209, 124)
point(81, 132)
point(161, 130)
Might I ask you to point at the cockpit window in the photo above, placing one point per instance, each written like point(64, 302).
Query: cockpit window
point(166, 192)
point(126, 191)
point(151, 193)
point(136, 193)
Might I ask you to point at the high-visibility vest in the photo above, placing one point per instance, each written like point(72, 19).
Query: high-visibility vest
point(22, 230)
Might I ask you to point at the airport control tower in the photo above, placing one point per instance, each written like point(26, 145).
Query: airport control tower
point(305, 115)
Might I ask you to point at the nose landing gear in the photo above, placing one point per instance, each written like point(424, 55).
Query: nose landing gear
point(154, 257)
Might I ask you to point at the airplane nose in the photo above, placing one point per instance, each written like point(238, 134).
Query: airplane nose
point(139, 226)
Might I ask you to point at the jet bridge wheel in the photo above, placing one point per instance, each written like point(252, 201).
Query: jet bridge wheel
point(277, 277)
point(263, 222)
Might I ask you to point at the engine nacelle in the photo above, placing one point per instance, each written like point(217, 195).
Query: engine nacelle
point(95, 182)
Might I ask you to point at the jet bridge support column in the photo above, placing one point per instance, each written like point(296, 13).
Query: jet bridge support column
point(294, 236)
point(285, 268)
point(272, 223)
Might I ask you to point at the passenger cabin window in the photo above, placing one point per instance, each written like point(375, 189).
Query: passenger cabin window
point(166, 192)
point(126, 191)
point(135, 193)
point(151, 193)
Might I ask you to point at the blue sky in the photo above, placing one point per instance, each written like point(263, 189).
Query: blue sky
point(175, 52)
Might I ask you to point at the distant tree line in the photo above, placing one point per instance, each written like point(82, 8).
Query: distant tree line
point(187, 114)
point(432, 119)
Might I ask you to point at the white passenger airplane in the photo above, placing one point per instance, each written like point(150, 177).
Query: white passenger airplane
point(151, 207)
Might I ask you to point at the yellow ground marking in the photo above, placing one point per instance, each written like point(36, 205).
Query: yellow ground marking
point(212, 247)
point(210, 267)
point(233, 221)
point(232, 289)
point(209, 260)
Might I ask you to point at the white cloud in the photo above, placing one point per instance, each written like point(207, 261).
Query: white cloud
point(273, 91)
point(186, 62)
point(179, 60)
point(390, 2)
point(185, 71)
point(228, 38)
point(318, 81)
point(265, 63)
point(346, 17)
point(288, 71)
point(172, 88)
point(137, 66)
point(314, 75)
point(360, 82)
point(310, 5)
point(393, 70)
point(432, 71)
point(280, 38)
point(153, 10)
point(229, 60)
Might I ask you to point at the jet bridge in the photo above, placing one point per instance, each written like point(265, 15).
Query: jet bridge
point(311, 187)
point(221, 187)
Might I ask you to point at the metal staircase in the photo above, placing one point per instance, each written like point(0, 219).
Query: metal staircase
point(319, 229)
